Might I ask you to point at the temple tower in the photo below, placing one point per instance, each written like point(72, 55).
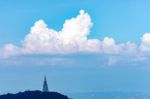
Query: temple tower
point(45, 85)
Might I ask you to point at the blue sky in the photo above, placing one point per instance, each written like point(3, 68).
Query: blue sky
point(97, 58)
point(117, 19)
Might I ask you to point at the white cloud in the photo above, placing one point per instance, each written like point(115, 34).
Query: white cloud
point(131, 47)
point(9, 50)
point(72, 38)
point(145, 43)
point(109, 46)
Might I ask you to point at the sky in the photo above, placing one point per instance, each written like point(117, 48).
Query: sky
point(88, 46)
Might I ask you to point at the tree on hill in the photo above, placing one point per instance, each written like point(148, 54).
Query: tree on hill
point(34, 95)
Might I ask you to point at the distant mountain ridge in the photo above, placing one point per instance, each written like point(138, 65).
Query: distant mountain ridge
point(34, 95)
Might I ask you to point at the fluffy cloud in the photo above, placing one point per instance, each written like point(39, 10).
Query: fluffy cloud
point(43, 40)
point(145, 43)
point(72, 38)
point(109, 46)
point(10, 50)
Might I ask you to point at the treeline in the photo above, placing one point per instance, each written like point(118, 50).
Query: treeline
point(34, 95)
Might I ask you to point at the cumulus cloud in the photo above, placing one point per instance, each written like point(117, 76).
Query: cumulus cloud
point(72, 38)
point(43, 40)
point(109, 46)
point(9, 50)
point(145, 43)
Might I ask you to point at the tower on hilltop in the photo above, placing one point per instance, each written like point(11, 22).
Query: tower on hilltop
point(45, 85)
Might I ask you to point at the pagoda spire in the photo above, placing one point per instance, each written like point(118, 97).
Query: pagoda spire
point(45, 85)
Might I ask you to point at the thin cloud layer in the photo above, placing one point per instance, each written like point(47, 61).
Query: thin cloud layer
point(72, 38)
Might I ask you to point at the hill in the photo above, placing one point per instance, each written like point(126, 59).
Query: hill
point(34, 95)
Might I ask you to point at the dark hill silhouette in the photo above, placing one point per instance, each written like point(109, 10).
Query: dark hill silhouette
point(34, 95)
